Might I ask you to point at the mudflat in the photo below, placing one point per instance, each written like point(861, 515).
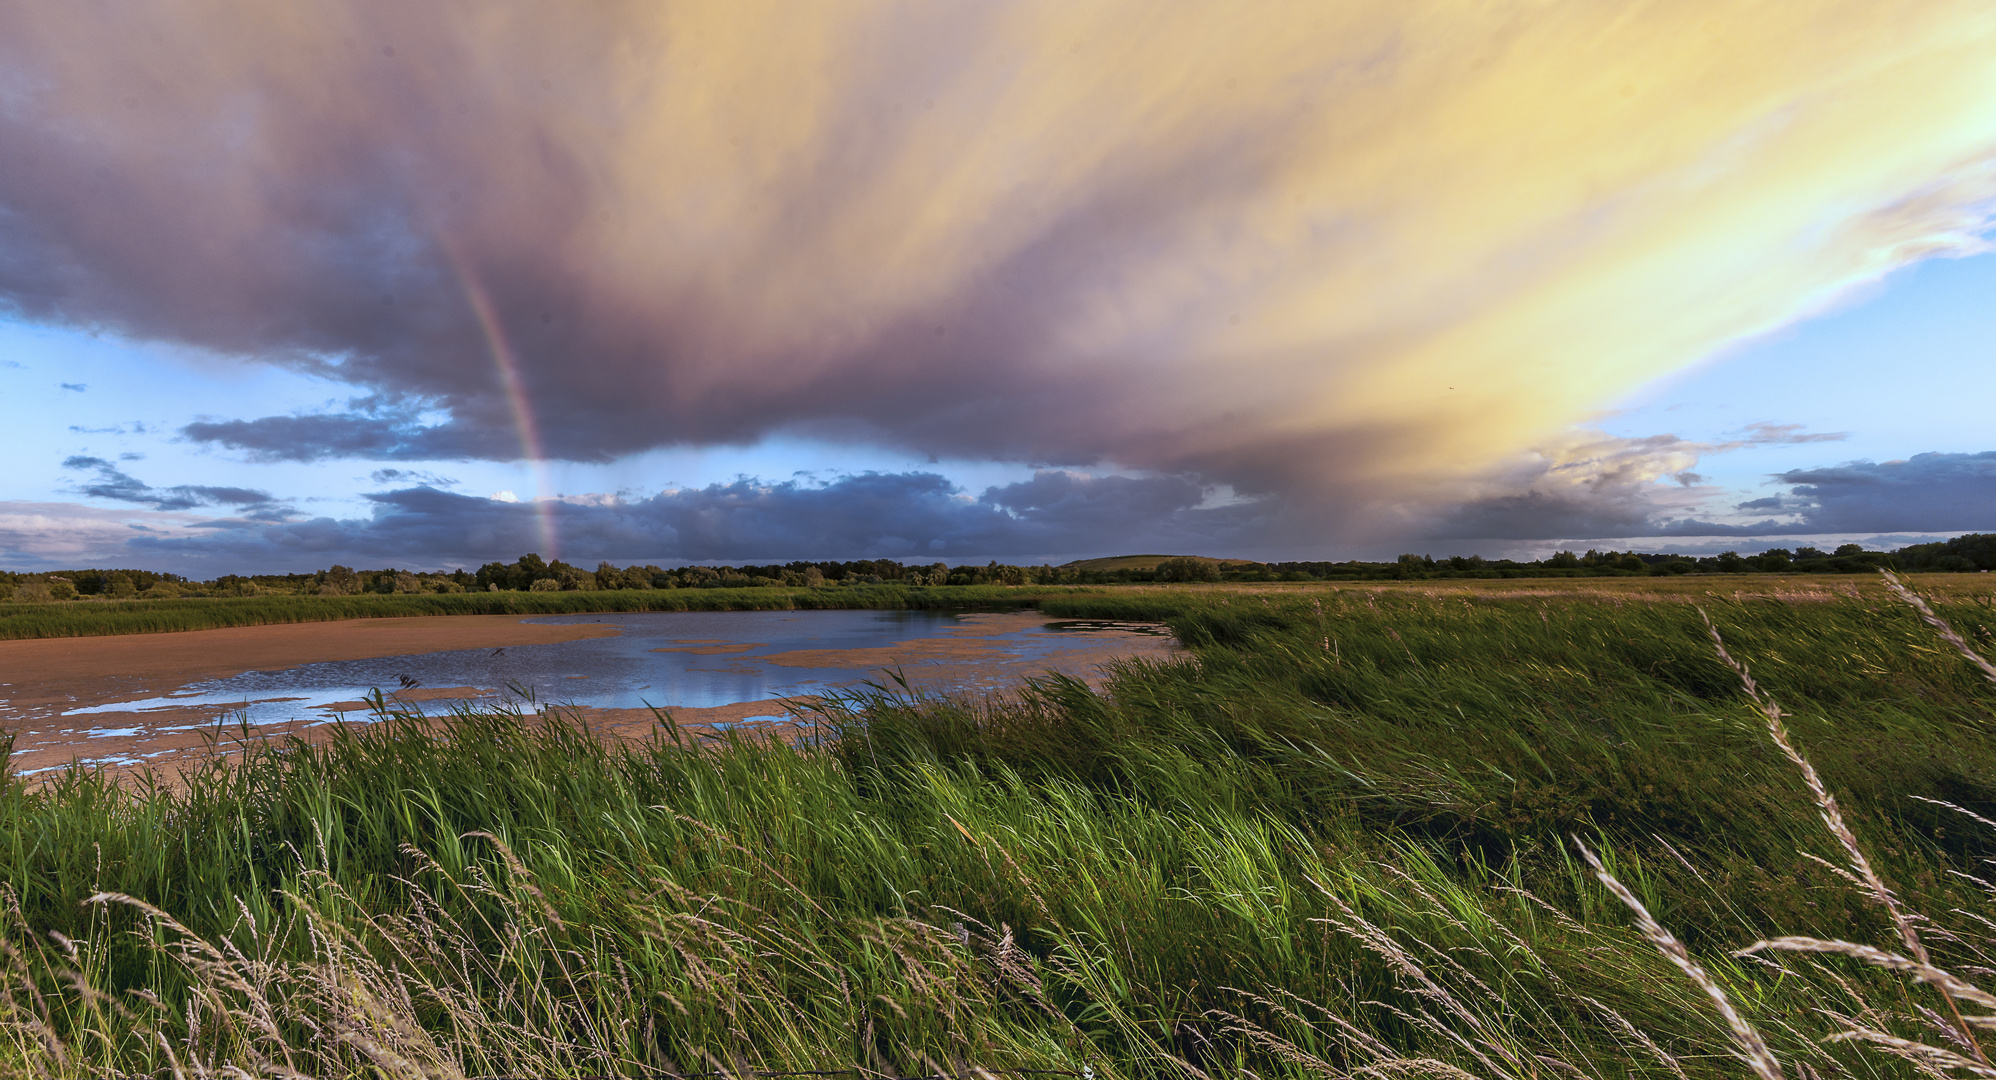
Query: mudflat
point(86, 670)
point(42, 678)
point(41, 674)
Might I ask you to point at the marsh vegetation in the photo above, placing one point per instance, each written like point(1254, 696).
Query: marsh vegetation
point(1345, 839)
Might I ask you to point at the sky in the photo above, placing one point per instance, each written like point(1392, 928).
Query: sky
point(428, 286)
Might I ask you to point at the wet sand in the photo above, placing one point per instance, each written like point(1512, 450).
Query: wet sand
point(43, 674)
point(50, 675)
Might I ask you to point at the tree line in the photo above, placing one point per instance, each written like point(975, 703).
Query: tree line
point(1962, 554)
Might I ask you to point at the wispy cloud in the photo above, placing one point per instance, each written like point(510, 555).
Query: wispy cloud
point(112, 483)
point(1771, 434)
point(411, 477)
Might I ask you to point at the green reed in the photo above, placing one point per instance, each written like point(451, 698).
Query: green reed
point(90, 618)
point(1339, 839)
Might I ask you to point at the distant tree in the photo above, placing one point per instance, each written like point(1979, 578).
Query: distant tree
point(546, 584)
point(1563, 560)
point(1187, 569)
point(814, 578)
point(339, 581)
point(1845, 551)
point(1973, 551)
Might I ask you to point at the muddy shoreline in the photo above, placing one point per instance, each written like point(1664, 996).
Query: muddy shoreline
point(42, 678)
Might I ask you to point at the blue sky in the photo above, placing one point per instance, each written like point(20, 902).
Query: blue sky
point(384, 285)
point(1903, 367)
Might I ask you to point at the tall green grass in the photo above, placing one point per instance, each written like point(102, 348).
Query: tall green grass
point(94, 617)
point(1341, 840)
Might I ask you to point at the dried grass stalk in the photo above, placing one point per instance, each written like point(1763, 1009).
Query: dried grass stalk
point(1752, 1048)
point(1940, 625)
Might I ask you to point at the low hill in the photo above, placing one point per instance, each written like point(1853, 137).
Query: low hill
point(1145, 562)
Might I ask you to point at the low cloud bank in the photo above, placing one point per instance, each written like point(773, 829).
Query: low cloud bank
point(1640, 491)
point(908, 516)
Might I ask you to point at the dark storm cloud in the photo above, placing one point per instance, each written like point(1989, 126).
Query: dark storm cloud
point(913, 517)
point(1269, 253)
point(111, 483)
point(1927, 492)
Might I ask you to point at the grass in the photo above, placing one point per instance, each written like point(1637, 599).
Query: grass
point(94, 618)
point(1345, 839)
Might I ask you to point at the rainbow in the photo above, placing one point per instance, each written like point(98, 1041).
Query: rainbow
point(516, 399)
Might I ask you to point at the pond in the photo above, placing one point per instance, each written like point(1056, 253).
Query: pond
point(736, 666)
point(690, 659)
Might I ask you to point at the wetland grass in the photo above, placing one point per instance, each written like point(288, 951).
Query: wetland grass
point(1344, 839)
point(92, 618)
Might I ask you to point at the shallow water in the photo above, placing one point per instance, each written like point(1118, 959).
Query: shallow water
point(630, 670)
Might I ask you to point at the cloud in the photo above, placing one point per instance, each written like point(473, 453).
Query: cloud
point(1353, 255)
point(372, 436)
point(411, 476)
point(1582, 483)
point(113, 484)
point(1608, 487)
point(915, 517)
point(1927, 492)
point(1586, 487)
point(1771, 434)
point(75, 386)
point(51, 535)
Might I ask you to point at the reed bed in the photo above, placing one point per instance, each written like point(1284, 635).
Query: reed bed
point(1353, 835)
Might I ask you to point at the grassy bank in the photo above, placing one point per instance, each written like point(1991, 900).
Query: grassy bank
point(1340, 842)
point(91, 618)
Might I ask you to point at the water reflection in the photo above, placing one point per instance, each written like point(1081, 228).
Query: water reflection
point(676, 659)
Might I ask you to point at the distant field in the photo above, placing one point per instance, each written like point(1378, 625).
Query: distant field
point(89, 618)
point(1147, 562)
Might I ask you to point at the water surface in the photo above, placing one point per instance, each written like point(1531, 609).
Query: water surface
point(690, 659)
